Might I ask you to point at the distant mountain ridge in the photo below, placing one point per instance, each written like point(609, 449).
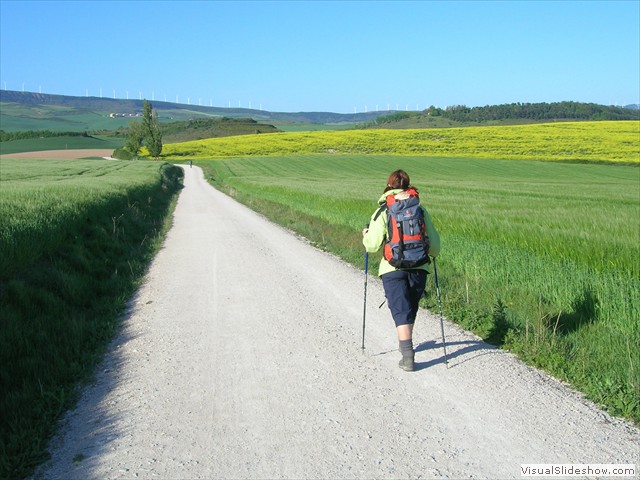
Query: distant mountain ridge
point(112, 105)
point(29, 111)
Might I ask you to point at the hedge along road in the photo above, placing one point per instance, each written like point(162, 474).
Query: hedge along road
point(240, 358)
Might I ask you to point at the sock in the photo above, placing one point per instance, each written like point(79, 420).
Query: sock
point(406, 347)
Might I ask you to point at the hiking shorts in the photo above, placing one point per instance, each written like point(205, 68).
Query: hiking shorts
point(403, 289)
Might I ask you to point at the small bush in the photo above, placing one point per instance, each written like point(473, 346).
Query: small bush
point(122, 154)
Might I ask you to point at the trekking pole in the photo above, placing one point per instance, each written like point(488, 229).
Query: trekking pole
point(444, 342)
point(364, 311)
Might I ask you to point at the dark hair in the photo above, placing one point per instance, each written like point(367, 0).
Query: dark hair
point(398, 179)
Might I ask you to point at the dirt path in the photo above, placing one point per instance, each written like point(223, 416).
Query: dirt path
point(245, 362)
point(61, 154)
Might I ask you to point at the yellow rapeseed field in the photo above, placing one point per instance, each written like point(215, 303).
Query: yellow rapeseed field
point(609, 141)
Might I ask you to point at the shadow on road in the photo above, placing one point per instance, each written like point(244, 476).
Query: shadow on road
point(458, 352)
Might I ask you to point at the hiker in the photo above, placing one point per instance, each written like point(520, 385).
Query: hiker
point(403, 285)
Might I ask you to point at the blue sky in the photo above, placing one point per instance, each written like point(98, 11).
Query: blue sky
point(338, 56)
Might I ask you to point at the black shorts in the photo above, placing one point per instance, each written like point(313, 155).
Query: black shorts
point(403, 289)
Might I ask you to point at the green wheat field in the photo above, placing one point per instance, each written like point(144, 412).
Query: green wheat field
point(76, 237)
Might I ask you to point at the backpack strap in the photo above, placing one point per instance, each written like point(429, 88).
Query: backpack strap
point(382, 208)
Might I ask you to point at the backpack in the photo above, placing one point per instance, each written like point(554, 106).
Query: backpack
point(407, 243)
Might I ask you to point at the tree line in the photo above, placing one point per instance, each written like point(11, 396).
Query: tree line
point(518, 111)
point(535, 111)
point(30, 134)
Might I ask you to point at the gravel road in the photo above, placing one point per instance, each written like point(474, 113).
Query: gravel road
point(240, 358)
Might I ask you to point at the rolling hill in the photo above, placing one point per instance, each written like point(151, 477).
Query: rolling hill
point(28, 111)
point(36, 111)
point(172, 132)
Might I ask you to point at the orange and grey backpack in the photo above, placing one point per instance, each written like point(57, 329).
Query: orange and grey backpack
point(407, 244)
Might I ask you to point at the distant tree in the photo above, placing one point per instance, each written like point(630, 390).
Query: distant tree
point(135, 137)
point(152, 135)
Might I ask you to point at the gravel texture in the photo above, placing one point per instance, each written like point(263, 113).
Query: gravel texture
point(241, 357)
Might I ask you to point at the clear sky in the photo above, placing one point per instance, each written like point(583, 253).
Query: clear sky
point(338, 56)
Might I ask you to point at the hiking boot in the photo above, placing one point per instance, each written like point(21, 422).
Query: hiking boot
point(407, 364)
point(408, 354)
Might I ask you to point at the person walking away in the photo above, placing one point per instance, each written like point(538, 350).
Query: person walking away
point(404, 279)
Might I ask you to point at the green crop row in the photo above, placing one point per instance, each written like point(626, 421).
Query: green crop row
point(539, 257)
point(572, 141)
point(76, 238)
